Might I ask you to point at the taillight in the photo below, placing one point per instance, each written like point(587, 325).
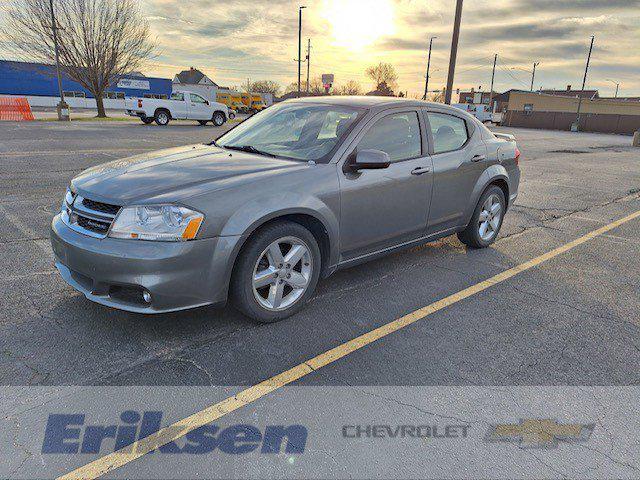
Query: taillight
point(517, 156)
point(139, 103)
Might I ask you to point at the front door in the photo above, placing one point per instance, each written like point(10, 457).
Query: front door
point(386, 207)
point(199, 108)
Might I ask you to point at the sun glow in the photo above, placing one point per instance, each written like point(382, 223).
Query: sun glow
point(358, 23)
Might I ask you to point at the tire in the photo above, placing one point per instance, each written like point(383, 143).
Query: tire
point(473, 235)
point(162, 118)
point(218, 119)
point(203, 122)
point(261, 303)
point(147, 120)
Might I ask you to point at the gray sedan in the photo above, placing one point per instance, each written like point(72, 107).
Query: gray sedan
point(287, 197)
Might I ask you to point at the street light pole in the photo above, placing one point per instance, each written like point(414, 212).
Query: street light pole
point(617, 84)
point(426, 85)
point(493, 76)
point(533, 74)
point(454, 52)
point(584, 83)
point(299, 45)
point(62, 107)
point(308, 63)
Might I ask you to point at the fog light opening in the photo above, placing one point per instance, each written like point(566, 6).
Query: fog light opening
point(146, 296)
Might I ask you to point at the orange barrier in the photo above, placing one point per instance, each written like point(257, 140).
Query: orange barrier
point(15, 109)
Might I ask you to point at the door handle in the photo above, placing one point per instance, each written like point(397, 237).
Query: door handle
point(420, 170)
point(477, 158)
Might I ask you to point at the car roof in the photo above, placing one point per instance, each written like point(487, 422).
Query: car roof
point(365, 101)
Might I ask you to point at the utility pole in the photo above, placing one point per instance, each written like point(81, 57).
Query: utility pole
point(493, 76)
point(584, 83)
point(454, 52)
point(62, 107)
point(308, 63)
point(299, 45)
point(533, 74)
point(426, 85)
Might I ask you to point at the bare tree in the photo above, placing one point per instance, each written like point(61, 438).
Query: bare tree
point(316, 87)
point(266, 86)
point(383, 73)
point(98, 40)
point(350, 88)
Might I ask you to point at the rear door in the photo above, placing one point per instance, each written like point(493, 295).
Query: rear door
point(179, 105)
point(459, 159)
point(199, 108)
point(386, 207)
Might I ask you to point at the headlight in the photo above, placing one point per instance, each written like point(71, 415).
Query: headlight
point(68, 200)
point(168, 223)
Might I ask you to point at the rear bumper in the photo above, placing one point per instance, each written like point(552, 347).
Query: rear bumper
point(135, 113)
point(177, 275)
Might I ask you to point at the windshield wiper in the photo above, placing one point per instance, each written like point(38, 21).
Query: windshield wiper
point(249, 149)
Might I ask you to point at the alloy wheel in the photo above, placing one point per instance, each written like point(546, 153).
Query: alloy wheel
point(489, 219)
point(282, 273)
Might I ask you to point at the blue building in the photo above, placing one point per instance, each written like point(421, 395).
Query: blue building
point(38, 82)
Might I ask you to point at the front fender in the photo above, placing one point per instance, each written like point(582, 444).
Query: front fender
point(252, 215)
point(490, 175)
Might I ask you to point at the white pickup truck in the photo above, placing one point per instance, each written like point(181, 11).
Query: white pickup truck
point(481, 112)
point(181, 106)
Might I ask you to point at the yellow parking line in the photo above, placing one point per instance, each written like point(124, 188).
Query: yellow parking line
point(117, 459)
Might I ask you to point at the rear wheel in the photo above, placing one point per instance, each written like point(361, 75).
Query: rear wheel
point(218, 119)
point(147, 120)
point(162, 117)
point(486, 221)
point(276, 273)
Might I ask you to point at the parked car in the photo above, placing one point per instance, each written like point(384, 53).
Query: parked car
point(180, 106)
point(287, 197)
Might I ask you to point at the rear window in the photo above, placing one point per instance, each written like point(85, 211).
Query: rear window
point(448, 132)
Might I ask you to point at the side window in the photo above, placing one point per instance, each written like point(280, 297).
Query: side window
point(177, 96)
point(197, 99)
point(449, 132)
point(398, 135)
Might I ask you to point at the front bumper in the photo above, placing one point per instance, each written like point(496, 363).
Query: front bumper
point(177, 275)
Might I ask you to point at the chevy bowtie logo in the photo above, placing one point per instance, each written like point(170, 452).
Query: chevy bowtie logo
point(540, 433)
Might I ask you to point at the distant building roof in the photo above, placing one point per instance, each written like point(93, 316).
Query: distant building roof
point(193, 76)
point(622, 99)
point(572, 93)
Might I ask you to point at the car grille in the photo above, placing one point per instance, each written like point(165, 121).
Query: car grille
point(93, 225)
point(100, 207)
point(89, 217)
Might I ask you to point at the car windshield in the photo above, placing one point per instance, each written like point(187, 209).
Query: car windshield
point(298, 131)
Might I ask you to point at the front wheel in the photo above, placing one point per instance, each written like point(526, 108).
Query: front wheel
point(486, 220)
point(218, 119)
point(276, 273)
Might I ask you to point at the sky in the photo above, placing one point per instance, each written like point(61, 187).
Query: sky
point(233, 40)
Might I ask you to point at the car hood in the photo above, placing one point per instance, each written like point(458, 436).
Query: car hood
point(175, 174)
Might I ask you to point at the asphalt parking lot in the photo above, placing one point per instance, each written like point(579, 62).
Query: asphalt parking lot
point(572, 321)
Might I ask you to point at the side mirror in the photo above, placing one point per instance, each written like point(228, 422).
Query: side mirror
point(207, 102)
point(371, 160)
